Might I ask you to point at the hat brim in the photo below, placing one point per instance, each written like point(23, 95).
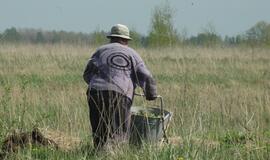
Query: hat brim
point(120, 36)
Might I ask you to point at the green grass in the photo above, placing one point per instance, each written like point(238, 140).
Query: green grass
point(219, 97)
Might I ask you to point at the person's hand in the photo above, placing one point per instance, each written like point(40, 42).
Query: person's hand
point(151, 98)
point(150, 89)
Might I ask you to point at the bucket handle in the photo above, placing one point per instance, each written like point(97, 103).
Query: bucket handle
point(159, 97)
point(162, 115)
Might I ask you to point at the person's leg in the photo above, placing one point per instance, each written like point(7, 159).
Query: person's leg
point(109, 116)
point(120, 117)
point(98, 118)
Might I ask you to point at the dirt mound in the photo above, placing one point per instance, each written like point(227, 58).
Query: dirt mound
point(38, 136)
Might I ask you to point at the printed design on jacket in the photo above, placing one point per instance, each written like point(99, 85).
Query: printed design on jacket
point(119, 61)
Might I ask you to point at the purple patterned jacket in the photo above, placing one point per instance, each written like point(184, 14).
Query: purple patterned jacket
point(119, 68)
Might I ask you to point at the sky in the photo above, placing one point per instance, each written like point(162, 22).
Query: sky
point(228, 17)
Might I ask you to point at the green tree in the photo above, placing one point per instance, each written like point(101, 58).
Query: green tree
point(136, 39)
point(205, 39)
point(208, 38)
point(259, 34)
point(40, 38)
point(55, 37)
point(98, 37)
point(162, 31)
point(11, 35)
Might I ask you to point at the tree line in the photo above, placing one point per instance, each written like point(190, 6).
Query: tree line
point(162, 34)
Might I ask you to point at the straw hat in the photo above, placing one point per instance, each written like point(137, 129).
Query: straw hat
point(119, 30)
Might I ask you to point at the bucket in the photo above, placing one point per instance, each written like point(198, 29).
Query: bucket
point(147, 124)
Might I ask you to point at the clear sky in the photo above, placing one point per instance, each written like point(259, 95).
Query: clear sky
point(229, 17)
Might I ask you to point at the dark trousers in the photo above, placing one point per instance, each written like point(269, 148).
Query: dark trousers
point(109, 117)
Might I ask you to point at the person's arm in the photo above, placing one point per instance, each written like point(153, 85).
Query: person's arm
point(146, 81)
point(89, 71)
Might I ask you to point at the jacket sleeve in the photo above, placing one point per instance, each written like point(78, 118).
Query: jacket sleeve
point(89, 71)
point(145, 80)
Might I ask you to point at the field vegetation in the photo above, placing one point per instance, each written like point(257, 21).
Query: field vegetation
point(217, 88)
point(219, 97)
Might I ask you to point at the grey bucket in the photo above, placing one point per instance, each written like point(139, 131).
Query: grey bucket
point(146, 128)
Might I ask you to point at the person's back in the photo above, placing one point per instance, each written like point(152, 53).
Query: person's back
point(112, 73)
point(119, 68)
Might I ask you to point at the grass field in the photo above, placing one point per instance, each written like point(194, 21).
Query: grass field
point(220, 99)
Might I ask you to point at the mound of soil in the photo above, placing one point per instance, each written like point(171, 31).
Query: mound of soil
point(38, 136)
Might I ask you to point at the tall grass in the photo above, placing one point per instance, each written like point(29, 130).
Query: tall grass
point(220, 99)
